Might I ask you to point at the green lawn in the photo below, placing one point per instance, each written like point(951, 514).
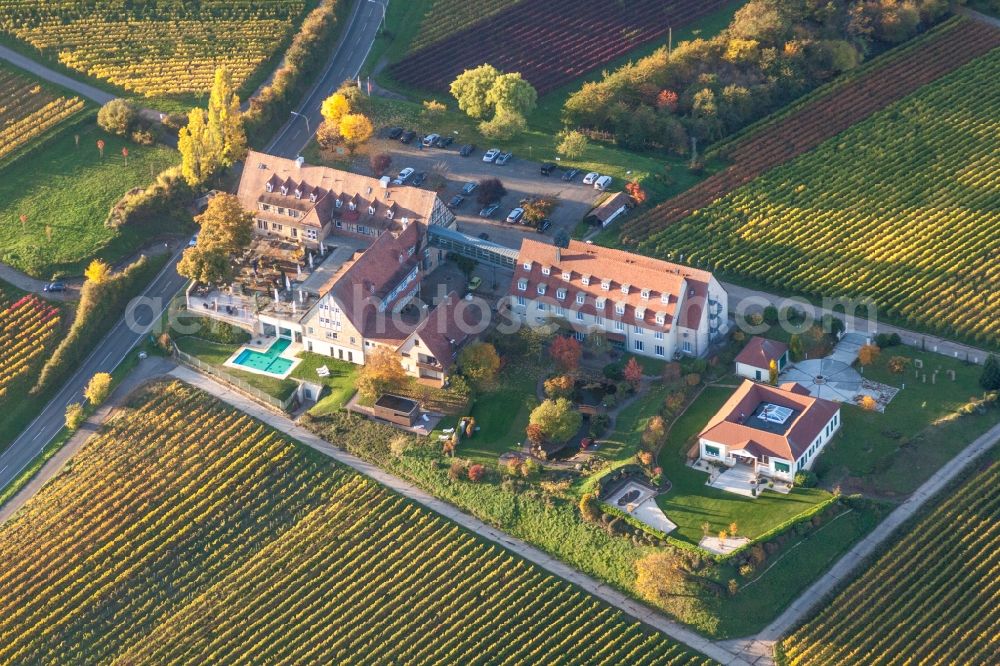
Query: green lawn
point(340, 383)
point(65, 193)
point(215, 353)
point(890, 454)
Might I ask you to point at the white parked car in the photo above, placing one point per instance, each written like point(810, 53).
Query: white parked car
point(603, 183)
point(403, 176)
point(590, 178)
point(491, 155)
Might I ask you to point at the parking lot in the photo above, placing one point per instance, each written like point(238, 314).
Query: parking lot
point(520, 176)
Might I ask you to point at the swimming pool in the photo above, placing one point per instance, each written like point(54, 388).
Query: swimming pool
point(270, 361)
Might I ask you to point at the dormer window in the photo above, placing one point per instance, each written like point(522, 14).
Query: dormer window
point(560, 294)
point(541, 290)
point(566, 276)
point(599, 303)
point(585, 280)
point(269, 187)
point(660, 318)
point(665, 297)
point(625, 288)
point(640, 314)
point(284, 189)
point(545, 270)
point(619, 308)
point(605, 285)
point(371, 210)
point(581, 298)
point(645, 294)
point(522, 285)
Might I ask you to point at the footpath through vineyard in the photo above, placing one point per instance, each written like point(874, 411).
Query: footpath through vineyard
point(826, 116)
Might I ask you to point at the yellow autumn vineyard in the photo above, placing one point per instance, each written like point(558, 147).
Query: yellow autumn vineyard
point(157, 48)
point(27, 110)
point(934, 598)
point(189, 529)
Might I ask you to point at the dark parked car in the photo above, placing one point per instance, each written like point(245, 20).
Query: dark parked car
point(395, 132)
point(54, 287)
point(543, 226)
point(456, 201)
point(548, 168)
point(419, 179)
point(571, 174)
point(407, 136)
point(445, 141)
point(466, 150)
point(488, 211)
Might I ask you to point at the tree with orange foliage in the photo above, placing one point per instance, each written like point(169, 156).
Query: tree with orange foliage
point(566, 352)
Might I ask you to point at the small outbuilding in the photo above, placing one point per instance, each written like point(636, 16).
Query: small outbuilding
point(754, 362)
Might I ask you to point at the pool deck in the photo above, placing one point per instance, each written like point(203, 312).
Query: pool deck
point(261, 344)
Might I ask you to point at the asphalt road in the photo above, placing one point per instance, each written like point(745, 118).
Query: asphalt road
point(348, 56)
point(345, 62)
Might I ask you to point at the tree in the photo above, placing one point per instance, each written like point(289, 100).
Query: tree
point(334, 108)
point(566, 352)
point(513, 93)
point(772, 373)
point(98, 388)
point(380, 163)
point(199, 156)
point(97, 271)
point(489, 191)
point(505, 124)
point(381, 372)
point(116, 117)
point(868, 354)
point(572, 144)
point(633, 372)
point(225, 120)
point(74, 416)
point(557, 419)
point(990, 377)
point(636, 193)
point(470, 89)
point(355, 129)
point(480, 363)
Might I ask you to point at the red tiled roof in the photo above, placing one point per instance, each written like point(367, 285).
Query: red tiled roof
point(582, 261)
point(759, 352)
point(727, 426)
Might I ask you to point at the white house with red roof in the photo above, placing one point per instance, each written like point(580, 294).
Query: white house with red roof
point(775, 431)
point(643, 305)
point(754, 360)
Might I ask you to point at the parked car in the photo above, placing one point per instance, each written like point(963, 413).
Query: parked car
point(445, 141)
point(484, 236)
point(544, 225)
point(548, 168)
point(395, 132)
point(469, 187)
point(466, 150)
point(603, 183)
point(515, 215)
point(489, 210)
point(403, 176)
point(456, 201)
point(431, 140)
point(53, 287)
point(571, 174)
point(590, 178)
point(491, 155)
point(503, 158)
point(407, 136)
point(419, 179)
